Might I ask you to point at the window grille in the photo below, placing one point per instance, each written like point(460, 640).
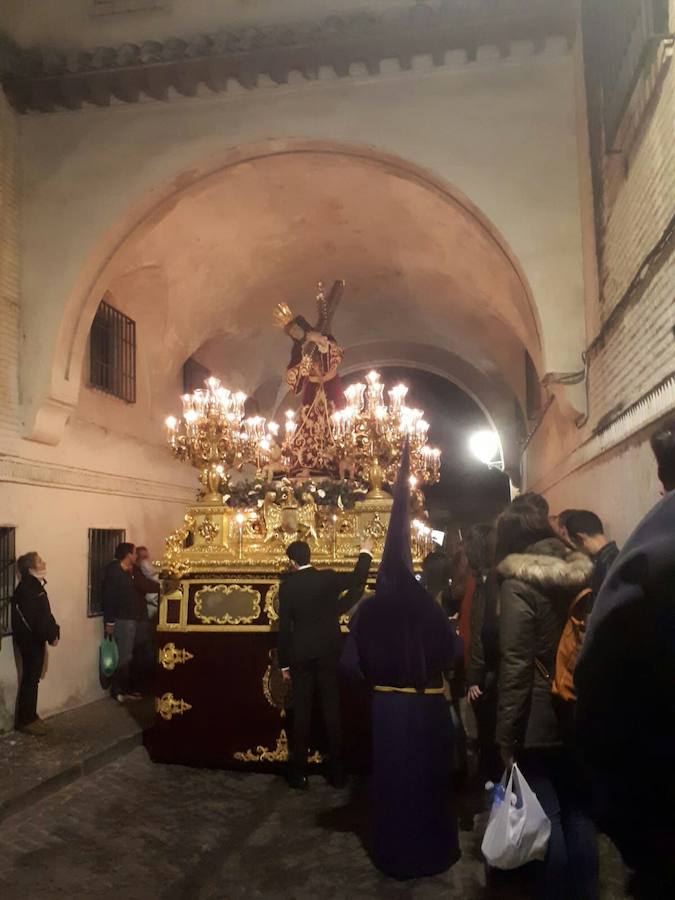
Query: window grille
point(102, 545)
point(113, 353)
point(7, 577)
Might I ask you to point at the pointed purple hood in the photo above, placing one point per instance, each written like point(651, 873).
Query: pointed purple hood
point(403, 637)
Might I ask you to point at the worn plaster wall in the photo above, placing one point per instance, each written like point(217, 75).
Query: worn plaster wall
point(631, 356)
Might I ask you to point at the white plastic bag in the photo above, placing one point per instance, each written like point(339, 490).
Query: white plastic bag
point(518, 830)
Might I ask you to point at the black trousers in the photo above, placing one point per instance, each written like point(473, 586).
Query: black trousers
point(315, 676)
point(485, 712)
point(32, 661)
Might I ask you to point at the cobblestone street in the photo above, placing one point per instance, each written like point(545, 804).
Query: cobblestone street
point(138, 830)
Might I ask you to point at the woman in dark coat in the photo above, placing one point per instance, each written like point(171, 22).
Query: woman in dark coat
point(540, 576)
point(33, 626)
point(402, 642)
point(483, 656)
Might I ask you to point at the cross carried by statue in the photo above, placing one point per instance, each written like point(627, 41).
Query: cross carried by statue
point(312, 374)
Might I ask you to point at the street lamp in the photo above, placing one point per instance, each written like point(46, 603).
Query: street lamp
point(487, 448)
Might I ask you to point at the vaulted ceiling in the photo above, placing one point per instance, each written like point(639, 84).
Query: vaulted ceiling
point(419, 267)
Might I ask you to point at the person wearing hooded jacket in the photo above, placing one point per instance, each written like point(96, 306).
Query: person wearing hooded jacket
point(539, 578)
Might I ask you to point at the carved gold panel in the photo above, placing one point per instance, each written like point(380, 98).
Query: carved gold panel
point(227, 604)
point(208, 530)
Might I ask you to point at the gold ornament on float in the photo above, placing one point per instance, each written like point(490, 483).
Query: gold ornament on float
point(354, 434)
point(208, 529)
point(278, 754)
point(169, 706)
point(228, 604)
point(169, 656)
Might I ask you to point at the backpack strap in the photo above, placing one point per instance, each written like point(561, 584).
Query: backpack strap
point(582, 595)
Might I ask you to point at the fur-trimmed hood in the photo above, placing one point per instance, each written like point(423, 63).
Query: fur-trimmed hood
point(549, 565)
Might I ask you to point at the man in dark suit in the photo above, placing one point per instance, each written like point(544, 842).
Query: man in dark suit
point(311, 602)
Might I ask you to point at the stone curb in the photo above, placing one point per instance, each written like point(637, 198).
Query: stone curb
point(16, 803)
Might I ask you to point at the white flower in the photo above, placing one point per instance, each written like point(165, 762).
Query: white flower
point(321, 493)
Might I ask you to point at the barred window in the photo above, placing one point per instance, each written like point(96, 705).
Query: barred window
point(7, 577)
point(102, 545)
point(113, 353)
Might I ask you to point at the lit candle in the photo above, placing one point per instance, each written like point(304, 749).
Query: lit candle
point(396, 397)
point(381, 414)
point(336, 424)
point(240, 518)
point(375, 391)
point(238, 401)
point(354, 395)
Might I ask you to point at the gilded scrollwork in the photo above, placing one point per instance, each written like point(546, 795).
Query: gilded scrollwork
point(226, 590)
point(272, 602)
point(376, 528)
point(169, 656)
point(278, 754)
point(174, 555)
point(277, 691)
point(168, 706)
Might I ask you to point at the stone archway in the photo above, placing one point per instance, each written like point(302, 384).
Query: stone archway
point(236, 234)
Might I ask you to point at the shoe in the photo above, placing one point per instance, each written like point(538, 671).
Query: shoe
point(134, 695)
point(297, 782)
point(121, 698)
point(37, 728)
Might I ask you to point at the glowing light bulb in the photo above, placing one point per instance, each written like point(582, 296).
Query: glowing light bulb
point(485, 446)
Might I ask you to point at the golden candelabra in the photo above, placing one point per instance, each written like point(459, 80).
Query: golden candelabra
point(370, 434)
point(215, 437)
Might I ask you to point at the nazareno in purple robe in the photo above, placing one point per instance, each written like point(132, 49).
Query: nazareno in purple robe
point(400, 637)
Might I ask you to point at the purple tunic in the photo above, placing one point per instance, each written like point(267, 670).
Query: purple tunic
point(401, 638)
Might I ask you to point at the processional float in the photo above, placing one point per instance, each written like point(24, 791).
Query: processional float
point(320, 475)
